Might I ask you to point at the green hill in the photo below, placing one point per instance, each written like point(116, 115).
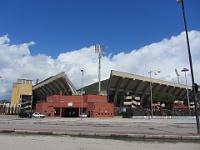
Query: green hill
point(4, 101)
point(93, 88)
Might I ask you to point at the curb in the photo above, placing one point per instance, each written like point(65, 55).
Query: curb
point(184, 138)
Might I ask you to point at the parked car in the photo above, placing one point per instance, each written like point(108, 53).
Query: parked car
point(37, 115)
point(25, 115)
point(83, 115)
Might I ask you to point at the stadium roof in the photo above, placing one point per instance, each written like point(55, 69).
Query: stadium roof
point(122, 84)
point(118, 86)
point(53, 85)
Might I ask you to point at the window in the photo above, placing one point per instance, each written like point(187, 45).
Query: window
point(50, 100)
point(70, 103)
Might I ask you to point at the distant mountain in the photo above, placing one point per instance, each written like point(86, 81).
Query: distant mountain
point(4, 101)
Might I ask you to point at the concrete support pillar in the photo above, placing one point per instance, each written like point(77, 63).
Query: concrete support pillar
point(60, 111)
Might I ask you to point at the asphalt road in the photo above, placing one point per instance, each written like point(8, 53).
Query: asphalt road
point(94, 125)
point(44, 142)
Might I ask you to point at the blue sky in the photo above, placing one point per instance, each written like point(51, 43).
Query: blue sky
point(40, 38)
point(121, 25)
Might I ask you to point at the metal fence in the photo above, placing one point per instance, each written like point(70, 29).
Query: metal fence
point(129, 112)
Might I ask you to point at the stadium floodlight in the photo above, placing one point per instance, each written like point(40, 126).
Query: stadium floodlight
point(191, 65)
point(177, 75)
point(155, 72)
point(99, 49)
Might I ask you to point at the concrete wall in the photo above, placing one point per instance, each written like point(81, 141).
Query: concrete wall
point(23, 87)
point(100, 110)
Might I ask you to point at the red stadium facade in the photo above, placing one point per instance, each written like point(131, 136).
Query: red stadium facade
point(94, 106)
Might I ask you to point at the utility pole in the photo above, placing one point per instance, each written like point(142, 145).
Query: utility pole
point(191, 66)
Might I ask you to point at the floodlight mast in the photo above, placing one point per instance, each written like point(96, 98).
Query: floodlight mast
point(99, 49)
point(177, 75)
point(82, 73)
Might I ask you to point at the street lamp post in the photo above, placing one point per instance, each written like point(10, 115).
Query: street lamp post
point(191, 66)
point(185, 70)
point(155, 73)
point(82, 71)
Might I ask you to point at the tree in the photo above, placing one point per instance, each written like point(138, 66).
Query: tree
point(163, 98)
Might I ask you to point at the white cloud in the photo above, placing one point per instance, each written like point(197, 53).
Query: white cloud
point(4, 39)
point(166, 55)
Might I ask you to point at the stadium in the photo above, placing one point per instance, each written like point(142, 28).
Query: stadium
point(122, 94)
